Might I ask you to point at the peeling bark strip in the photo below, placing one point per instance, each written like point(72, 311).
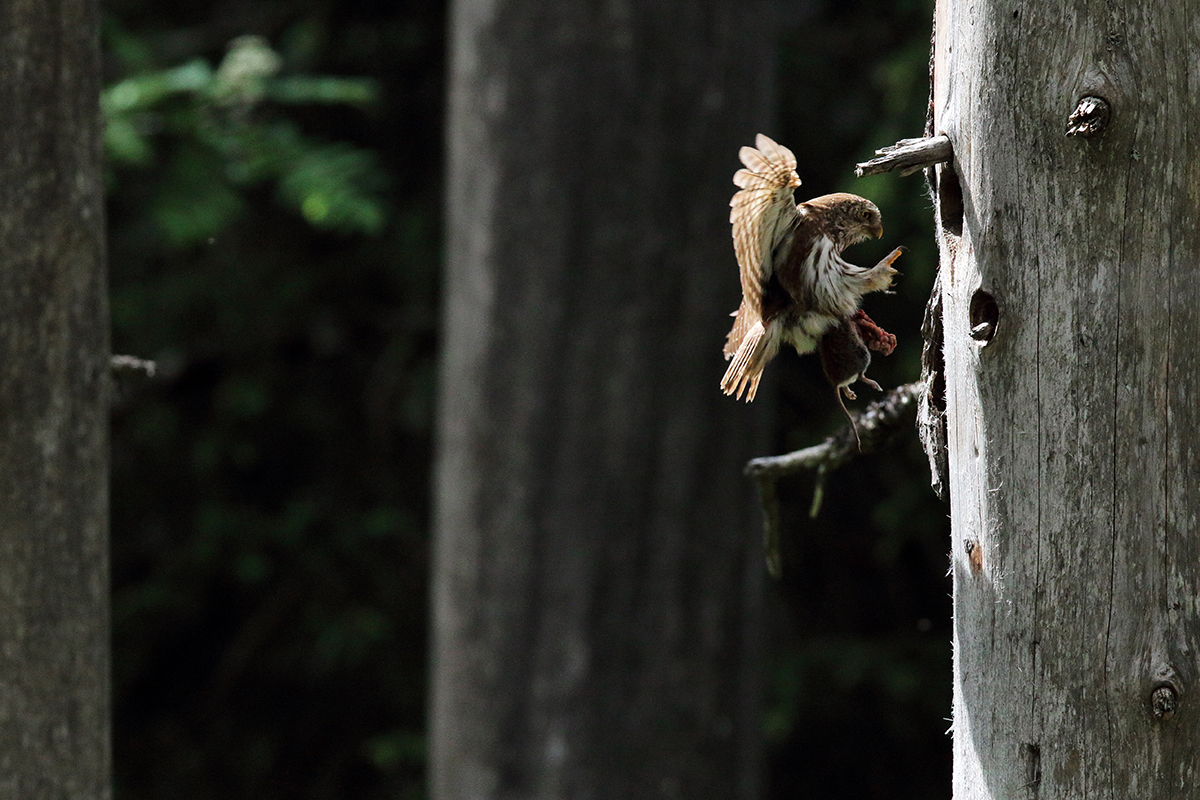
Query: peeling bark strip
point(1070, 304)
point(54, 377)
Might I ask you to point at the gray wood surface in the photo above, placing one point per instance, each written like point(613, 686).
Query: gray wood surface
point(1074, 430)
point(598, 578)
point(54, 371)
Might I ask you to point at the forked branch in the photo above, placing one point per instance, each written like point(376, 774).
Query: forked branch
point(893, 412)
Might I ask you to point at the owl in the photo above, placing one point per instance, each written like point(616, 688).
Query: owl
point(795, 285)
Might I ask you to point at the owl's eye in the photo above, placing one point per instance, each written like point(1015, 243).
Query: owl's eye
point(864, 214)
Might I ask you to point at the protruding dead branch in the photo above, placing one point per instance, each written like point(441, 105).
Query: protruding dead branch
point(132, 365)
point(894, 411)
point(908, 156)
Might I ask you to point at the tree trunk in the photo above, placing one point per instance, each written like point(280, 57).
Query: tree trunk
point(1070, 272)
point(54, 653)
point(597, 579)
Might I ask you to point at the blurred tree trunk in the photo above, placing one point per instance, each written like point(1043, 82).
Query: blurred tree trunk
point(54, 662)
point(1073, 422)
point(597, 580)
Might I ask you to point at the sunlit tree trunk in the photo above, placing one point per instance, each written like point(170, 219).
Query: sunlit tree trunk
point(1071, 289)
point(597, 576)
point(54, 652)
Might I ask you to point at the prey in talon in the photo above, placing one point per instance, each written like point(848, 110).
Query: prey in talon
point(845, 357)
point(796, 287)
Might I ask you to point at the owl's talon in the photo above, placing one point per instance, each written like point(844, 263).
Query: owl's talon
point(892, 256)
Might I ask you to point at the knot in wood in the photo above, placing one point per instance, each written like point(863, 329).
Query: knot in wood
point(1090, 116)
point(974, 555)
point(1164, 702)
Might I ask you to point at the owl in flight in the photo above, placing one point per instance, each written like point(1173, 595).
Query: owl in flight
point(795, 286)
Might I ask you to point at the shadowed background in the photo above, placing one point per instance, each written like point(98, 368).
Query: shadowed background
point(275, 246)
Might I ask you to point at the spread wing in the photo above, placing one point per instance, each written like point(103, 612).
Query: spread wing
point(762, 207)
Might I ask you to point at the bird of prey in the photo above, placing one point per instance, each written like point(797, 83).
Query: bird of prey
point(795, 284)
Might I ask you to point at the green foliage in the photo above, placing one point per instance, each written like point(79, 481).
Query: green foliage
point(273, 246)
point(213, 134)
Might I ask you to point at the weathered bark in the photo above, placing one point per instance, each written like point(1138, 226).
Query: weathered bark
point(1073, 420)
point(54, 662)
point(597, 576)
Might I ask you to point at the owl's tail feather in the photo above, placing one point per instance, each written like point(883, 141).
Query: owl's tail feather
point(746, 368)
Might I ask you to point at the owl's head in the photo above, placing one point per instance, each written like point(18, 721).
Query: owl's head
point(847, 218)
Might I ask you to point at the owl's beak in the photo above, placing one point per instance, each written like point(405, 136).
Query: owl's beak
point(878, 231)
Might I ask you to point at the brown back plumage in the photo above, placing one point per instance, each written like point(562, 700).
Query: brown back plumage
point(794, 284)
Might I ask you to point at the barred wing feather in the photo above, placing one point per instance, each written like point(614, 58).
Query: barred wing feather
point(761, 207)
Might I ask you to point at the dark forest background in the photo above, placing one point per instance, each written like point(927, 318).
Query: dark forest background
point(275, 198)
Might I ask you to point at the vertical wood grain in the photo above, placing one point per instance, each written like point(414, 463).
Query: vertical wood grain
point(54, 364)
point(1073, 433)
point(597, 580)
